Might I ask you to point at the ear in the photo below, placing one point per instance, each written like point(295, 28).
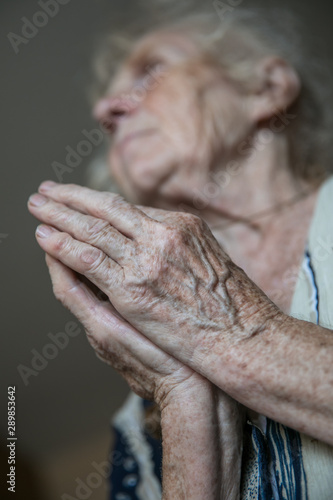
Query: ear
point(277, 87)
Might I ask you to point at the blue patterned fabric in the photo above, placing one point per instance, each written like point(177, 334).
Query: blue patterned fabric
point(126, 473)
point(277, 452)
point(285, 454)
point(272, 463)
point(125, 470)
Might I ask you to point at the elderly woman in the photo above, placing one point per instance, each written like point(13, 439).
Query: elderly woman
point(215, 266)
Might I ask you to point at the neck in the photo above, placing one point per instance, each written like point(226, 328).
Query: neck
point(258, 196)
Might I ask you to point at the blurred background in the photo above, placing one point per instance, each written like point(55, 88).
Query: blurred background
point(65, 402)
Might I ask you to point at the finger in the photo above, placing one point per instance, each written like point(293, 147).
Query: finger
point(113, 338)
point(70, 290)
point(85, 228)
point(111, 207)
point(79, 298)
point(96, 316)
point(100, 269)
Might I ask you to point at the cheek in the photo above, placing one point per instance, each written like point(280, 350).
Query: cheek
point(196, 125)
point(229, 118)
point(200, 115)
point(177, 109)
point(172, 108)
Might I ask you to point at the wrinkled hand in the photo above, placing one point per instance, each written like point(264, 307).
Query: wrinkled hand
point(151, 373)
point(164, 272)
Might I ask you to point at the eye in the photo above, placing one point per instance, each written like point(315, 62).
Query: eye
point(153, 64)
point(150, 65)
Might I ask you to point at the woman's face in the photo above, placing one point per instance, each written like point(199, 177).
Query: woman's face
point(174, 116)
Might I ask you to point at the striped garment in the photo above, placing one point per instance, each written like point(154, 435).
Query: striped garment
point(278, 462)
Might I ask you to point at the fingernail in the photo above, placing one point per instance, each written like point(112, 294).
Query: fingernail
point(44, 231)
point(45, 186)
point(37, 200)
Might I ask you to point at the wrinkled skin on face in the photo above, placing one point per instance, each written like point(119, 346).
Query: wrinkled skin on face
point(174, 115)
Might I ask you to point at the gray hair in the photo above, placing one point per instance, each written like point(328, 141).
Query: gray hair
point(237, 38)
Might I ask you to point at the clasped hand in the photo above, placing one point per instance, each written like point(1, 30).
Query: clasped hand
point(172, 290)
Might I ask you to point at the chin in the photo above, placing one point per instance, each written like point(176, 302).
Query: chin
point(137, 186)
point(138, 196)
point(141, 179)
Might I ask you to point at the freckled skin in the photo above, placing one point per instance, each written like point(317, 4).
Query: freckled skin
point(141, 276)
point(183, 324)
point(230, 333)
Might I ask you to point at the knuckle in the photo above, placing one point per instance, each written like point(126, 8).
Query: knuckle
point(56, 213)
point(115, 198)
point(62, 242)
point(173, 237)
point(181, 230)
point(96, 228)
point(65, 293)
point(109, 203)
point(156, 273)
point(92, 259)
point(193, 219)
point(104, 205)
point(193, 222)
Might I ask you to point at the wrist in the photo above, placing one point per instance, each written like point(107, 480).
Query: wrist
point(193, 391)
point(253, 310)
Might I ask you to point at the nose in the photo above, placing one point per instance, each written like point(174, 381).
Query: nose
point(109, 111)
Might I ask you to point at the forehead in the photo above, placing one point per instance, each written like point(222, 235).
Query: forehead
point(169, 42)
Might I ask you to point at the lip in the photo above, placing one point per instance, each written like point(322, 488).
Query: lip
point(133, 135)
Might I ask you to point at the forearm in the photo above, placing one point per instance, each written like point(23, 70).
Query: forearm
point(202, 443)
point(231, 420)
point(283, 371)
point(191, 457)
point(169, 278)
